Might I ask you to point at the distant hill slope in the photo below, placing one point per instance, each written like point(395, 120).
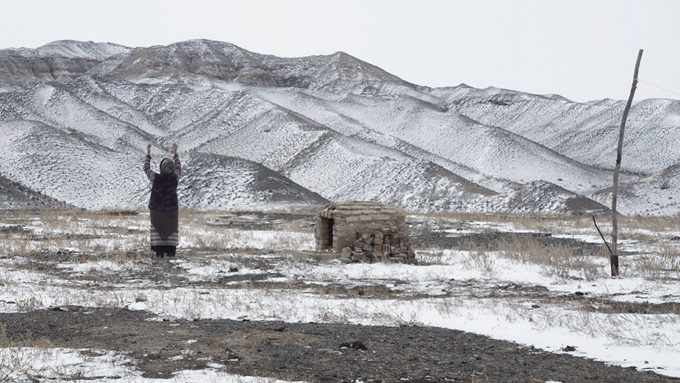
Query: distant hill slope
point(262, 130)
point(59, 61)
point(70, 168)
point(656, 194)
point(14, 195)
point(586, 132)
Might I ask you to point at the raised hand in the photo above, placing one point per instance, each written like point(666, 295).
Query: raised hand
point(174, 148)
point(148, 149)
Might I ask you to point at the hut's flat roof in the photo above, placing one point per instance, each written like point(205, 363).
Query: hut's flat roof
point(355, 205)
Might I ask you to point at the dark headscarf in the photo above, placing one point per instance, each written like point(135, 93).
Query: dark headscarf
point(167, 166)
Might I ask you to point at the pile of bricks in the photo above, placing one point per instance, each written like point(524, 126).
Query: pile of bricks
point(383, 245)
point(364, 231)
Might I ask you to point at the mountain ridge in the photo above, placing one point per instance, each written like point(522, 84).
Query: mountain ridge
point(333, 125)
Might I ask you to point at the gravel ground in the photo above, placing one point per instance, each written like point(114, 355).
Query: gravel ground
point(310, 351)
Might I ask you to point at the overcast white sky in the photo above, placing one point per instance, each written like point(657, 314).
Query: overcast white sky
point(580, 49)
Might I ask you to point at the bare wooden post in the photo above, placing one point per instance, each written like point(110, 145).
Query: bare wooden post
point(614, 258)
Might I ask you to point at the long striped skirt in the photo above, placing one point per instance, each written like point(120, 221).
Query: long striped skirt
point(164, 228)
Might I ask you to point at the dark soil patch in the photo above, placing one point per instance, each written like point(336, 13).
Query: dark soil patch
point(160, 270)
point(258, 220)
point(311, 351)
point(497, 240)
point(614, 307)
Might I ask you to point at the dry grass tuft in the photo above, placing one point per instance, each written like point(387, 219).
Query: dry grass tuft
point(557, 261)
point(18, 357)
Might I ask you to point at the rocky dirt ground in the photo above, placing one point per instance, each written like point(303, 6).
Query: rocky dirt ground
point(311, 351)
point(315, 352)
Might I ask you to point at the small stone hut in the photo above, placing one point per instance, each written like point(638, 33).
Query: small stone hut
point(364, 231)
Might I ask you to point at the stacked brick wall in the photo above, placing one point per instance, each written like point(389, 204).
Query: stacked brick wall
point(364, 231)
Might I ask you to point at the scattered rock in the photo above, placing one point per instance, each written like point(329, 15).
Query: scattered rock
point(357, 344)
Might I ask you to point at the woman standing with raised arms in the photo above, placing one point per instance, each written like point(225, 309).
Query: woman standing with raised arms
point(163, 203)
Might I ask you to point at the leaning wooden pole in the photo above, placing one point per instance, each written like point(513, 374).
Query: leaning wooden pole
point(614, 257)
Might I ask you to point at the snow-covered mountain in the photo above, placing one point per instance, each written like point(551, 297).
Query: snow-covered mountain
point(14, 195)
point(258, 130)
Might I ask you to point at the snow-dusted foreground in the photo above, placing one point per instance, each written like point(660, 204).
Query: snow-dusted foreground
point(519, 294)
point(55, 364)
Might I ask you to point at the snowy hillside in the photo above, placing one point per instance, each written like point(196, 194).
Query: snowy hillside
point(67, 167)
point(656, 193)
point(588, 132)
point(13, 195)
point(311, 129)
point(61, 60)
